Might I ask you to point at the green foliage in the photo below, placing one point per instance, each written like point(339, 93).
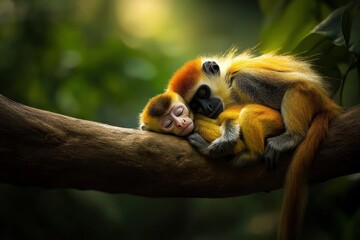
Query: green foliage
point(332, 45)
point(287, 22)
point(335, 42)
point(52, 60)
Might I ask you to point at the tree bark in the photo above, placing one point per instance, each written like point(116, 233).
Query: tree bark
point(40, 148)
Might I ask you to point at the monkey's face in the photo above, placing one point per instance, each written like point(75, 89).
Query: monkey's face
point(203, 103)
point(201, 83)
point(177, 120)
point(205, 100)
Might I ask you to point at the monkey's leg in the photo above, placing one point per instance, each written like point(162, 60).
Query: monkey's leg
point(254, 137)
point(244, 157)
point(298, 107)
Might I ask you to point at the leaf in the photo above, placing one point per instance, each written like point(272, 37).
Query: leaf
point(342, 26)
point(331, 28)
point(331, 42)
point(333, 79)
point(287, 23)
point(348, 16)
point(268, 6)
point(354, 42)
point(312, 44)
point(319, 48)
point(325, 57)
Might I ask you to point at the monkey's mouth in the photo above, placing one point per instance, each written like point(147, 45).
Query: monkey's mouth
point(187, 130)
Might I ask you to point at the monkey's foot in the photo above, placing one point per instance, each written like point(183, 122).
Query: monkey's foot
point(199, 143)
point(271, 157)
point(277, 145)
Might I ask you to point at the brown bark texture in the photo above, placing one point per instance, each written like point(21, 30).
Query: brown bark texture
point(49, 150)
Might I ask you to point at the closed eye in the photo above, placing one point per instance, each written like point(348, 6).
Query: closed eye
point(179, 111)
point(168, 123)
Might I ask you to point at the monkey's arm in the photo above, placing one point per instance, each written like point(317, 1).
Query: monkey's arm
point(207, 128)
point(229, 142)
point(208, 133)
point(218, 137)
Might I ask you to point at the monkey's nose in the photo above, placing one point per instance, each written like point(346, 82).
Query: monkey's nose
point(181, 123)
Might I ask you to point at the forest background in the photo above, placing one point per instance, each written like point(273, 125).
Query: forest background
point(102, 60)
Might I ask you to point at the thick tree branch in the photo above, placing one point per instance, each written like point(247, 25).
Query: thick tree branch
point(39, 148)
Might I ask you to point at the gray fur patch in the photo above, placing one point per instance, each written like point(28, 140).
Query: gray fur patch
point(263, 90)
point(199, 143)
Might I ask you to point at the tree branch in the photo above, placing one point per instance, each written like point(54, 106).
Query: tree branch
point(40, 148)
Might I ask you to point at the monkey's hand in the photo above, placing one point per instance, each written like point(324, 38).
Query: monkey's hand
point(225, 144)
point(199, 143)
point(203, 146)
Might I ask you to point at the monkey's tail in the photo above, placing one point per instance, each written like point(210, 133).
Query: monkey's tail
point(296, 182)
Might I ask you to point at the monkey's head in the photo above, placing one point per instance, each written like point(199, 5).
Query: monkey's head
point(199, 83)
point(167, 113)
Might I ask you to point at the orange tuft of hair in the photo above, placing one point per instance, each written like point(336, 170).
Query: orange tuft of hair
point(186, 77)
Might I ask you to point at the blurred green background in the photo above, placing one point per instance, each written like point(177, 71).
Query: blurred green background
point(102, 60)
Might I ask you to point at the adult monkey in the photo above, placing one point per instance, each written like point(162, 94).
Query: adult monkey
point(282, 82)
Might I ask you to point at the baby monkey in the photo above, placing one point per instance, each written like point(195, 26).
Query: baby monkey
point(246, 126)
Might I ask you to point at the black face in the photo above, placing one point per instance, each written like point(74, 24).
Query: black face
point(202, 103)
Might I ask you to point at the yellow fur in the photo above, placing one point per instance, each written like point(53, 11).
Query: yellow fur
point(255, 121)
point(286, 84)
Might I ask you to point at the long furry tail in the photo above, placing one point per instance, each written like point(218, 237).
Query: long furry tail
point(296, 182)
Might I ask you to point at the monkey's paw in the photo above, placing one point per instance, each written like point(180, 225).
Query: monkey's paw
point(220, 148)
point(277, 145)
point(199, 143)
point(271, 155)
